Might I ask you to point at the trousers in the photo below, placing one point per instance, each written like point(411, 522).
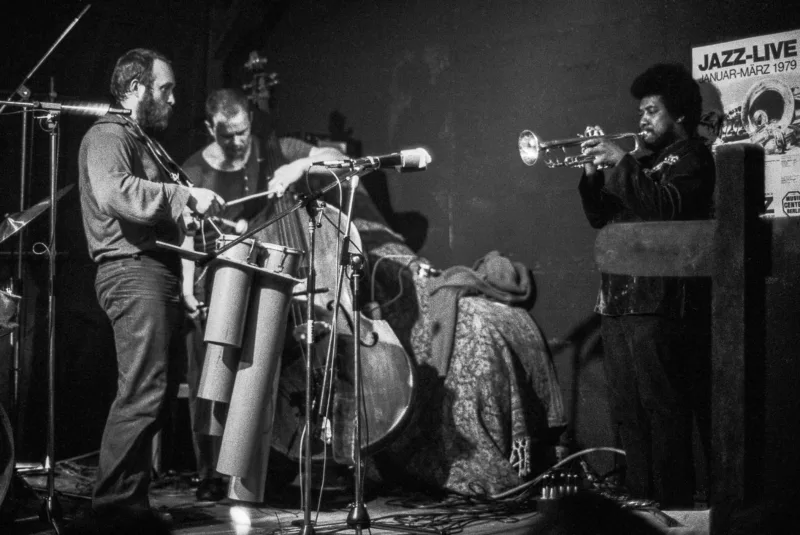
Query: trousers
point(141, 296)
point(648, 376)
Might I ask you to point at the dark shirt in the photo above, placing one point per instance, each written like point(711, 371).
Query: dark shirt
point(230, 185)
point(127, 200)
point(676, 183)
point(265, 157)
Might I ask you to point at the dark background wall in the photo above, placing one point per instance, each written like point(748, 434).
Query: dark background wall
point(461, 78)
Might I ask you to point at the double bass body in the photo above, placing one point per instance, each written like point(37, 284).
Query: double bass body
point(387, 372)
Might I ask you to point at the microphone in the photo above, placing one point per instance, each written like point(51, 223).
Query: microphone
point(405, 161)
point(92, 109)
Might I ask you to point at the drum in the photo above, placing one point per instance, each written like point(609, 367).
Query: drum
point(278, 259)
point(230, 292)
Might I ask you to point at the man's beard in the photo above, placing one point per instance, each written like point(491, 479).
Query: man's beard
point(152, 114)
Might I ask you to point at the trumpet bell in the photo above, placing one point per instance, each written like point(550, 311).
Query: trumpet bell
point(529, 147)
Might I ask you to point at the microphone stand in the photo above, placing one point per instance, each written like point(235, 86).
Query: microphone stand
point(24, 94)
point(314, 208)
point(358, 517)
point(51, 511)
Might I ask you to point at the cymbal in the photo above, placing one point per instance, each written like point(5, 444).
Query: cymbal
point(13, 223)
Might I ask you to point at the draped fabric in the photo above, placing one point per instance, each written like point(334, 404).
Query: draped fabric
point(485, 426)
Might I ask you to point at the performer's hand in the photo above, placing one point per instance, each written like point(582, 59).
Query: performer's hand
point(605, 153)
point(188, 222)
point(205, 202)
point(286, 175)
point(196, 310)
point(590, 131)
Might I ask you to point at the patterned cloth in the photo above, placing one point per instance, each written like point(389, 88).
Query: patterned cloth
point(484, 427)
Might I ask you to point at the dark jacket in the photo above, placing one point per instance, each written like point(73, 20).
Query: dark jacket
point(676, 183)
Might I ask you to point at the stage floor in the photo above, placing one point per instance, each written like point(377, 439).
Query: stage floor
point(388, 510)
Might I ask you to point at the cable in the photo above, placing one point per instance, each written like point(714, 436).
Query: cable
point(400, 279)
point(559, 464)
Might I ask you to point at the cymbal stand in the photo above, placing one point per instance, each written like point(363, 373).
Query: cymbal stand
point(17, 336)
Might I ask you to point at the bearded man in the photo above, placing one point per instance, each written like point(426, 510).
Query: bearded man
point(129, 201)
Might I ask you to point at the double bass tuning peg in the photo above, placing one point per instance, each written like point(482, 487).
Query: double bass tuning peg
point(258, 89)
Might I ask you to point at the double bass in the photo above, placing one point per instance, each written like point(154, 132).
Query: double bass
point(387, 372)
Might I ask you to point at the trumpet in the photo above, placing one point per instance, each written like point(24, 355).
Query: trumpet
point(530, 148)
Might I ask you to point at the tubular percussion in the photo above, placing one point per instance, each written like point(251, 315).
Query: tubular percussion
point(229, 294)
point(245, 380)
point(224, 330)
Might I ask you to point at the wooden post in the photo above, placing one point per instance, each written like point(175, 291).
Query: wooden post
point(738, 331)
point(733, 250)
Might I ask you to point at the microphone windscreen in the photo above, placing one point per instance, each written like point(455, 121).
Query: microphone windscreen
point(415, 160)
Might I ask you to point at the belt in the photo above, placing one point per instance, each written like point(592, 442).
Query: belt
point(162, 256)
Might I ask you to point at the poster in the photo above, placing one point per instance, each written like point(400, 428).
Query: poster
point(751, 93)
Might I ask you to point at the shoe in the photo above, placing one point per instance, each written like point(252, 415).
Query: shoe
point(211, 489)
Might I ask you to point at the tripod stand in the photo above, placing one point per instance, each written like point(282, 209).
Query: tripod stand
point(358, 517)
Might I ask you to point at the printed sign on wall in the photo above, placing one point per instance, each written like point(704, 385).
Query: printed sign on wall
point(751, 93)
